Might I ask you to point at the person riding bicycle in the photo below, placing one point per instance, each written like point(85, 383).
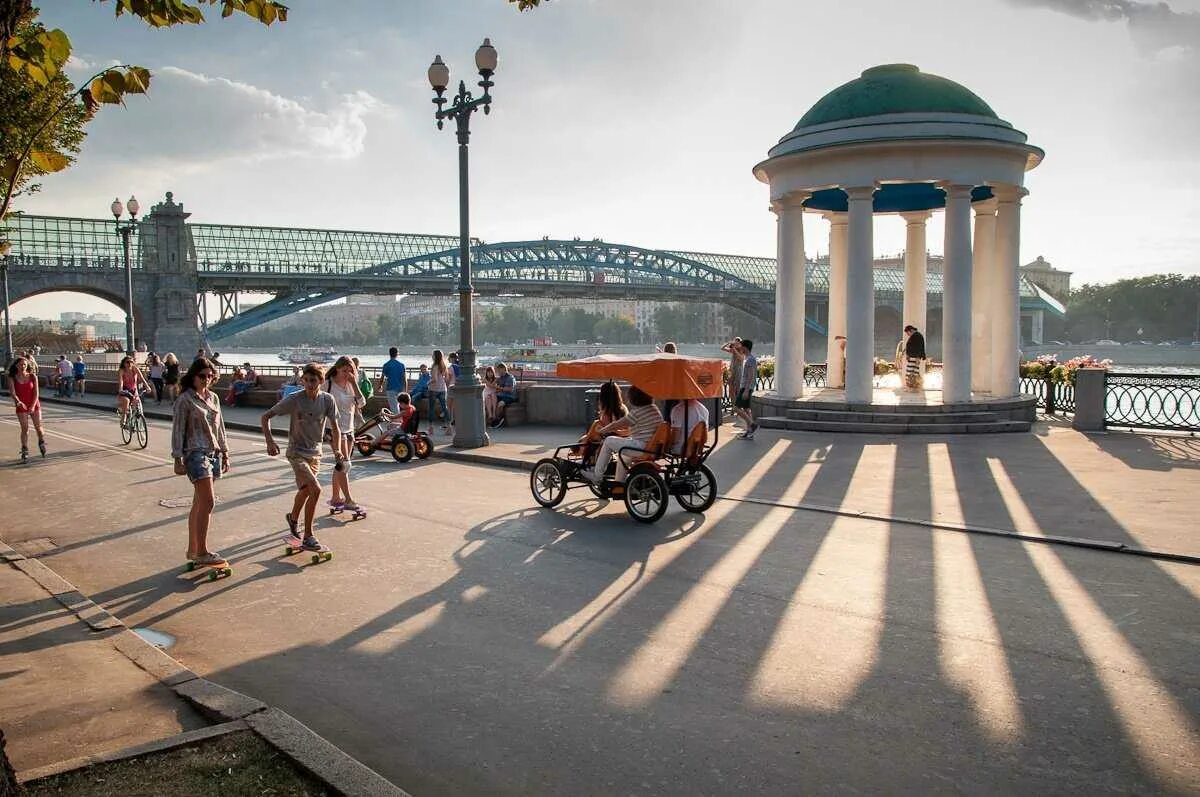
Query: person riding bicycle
point(128, 376)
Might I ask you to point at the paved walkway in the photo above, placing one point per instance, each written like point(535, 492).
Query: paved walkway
point(462, 641)
point(1121, 488)
point(66, 691)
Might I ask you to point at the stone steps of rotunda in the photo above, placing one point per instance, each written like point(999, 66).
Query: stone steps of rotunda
point(842, 416)
point(984, 427)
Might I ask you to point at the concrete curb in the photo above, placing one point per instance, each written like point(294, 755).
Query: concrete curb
point(158, 746)
point(312, 752)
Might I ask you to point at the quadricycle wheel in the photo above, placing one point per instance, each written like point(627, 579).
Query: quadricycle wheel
point(547, 483)
point(645, 493)
point(703, 491)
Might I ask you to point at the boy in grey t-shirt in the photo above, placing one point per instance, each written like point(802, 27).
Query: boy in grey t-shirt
point(308, 411)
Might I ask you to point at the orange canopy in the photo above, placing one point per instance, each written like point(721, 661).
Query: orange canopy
point(663, 376)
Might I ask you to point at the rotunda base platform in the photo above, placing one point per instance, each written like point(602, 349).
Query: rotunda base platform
point(894, 411)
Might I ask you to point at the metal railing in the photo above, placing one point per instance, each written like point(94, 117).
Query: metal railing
point(1152, 401)
point(1051, 397)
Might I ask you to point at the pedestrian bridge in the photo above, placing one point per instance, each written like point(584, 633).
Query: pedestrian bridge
point(175, 262)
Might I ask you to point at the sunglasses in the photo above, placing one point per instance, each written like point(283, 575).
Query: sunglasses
point(207, 375)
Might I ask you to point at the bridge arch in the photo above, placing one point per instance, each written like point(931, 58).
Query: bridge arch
point(19, 290)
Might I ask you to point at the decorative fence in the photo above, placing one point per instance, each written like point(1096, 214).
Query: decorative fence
point(1051, 397)
point(1153, 401)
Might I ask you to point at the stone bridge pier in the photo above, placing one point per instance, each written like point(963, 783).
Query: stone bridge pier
point(89, 261)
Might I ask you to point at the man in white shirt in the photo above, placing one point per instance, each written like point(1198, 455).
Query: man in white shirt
point(66, 377)
point(696, 412)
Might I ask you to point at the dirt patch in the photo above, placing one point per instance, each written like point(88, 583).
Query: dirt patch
point(239, 763)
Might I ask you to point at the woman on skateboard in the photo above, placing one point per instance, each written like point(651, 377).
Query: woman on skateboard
point(200, 451)
point(342, 384)
point(308, 411)
point(24, 381)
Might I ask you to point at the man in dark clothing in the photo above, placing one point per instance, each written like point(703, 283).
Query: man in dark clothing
point(914, 357)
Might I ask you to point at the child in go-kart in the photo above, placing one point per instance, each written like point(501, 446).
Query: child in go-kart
point(642, 421)
point(403, 420)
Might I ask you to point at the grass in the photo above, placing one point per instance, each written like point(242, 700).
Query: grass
point(236, 764)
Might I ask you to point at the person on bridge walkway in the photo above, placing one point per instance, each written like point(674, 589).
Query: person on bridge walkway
point(24, 381)
point(342, 384)
point(201, 453)
point(308, 410)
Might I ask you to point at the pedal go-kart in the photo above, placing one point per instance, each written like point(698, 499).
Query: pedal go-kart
point(654, 472)
point(377, 433)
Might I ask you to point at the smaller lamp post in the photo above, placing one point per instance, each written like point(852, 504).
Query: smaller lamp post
point(126, 230)
point(5, 248)
point(468, 391)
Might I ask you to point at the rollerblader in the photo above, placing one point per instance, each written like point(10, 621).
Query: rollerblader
point(23, 378)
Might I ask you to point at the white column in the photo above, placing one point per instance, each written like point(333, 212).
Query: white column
point(956, 296)
point(860, 295)
point(789, 295)
point(834, 356)
point(1007, 301)
point(982, 254)
point(915, 264)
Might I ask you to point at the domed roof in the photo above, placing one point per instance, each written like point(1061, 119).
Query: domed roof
point(894, 88)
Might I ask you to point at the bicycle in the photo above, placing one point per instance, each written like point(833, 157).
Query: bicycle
point(134, 423)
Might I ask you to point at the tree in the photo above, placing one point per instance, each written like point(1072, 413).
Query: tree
point(616, 330)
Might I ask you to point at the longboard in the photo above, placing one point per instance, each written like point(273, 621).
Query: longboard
point(216, 570)
point(355, 514)
point(295, 545)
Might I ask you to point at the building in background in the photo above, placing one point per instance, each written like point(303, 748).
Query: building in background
point(1055, 281)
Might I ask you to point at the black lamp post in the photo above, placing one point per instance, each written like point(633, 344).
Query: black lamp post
point(126, 231)
point(5, 248)
point(469, 431)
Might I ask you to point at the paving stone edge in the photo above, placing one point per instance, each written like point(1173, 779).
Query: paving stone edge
point(312, 752)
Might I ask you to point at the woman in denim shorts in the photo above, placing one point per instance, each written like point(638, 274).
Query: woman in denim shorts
point(201, 453)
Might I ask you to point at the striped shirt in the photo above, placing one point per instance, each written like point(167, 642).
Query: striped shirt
point(197, 425)
point(645, 421)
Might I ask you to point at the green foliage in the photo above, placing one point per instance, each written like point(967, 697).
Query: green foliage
point(29, 146)
point(525, 5)
point(507, 324)
point(616, 330)
point(1163, 306)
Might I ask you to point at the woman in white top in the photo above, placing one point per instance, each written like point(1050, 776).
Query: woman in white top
point(440, 377)
point(642, 421)
point(342, 384)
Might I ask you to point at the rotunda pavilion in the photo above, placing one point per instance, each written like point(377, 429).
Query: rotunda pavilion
point(900, 141)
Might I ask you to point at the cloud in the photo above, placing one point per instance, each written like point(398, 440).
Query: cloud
point(1153, 26)
point(194, 120)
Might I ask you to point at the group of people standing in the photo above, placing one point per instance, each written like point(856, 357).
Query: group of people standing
point(743, 379)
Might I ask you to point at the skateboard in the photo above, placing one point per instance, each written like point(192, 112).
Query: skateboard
point(355, 514)
point(296, 545)
point(216, 570)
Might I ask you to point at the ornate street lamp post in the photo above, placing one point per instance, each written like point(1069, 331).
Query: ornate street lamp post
point(126, 231)
point(468, 391)
point(5, 248)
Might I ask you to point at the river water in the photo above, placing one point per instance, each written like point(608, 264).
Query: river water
point(413, 357)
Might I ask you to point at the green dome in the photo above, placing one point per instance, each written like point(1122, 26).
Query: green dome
point(894, 88)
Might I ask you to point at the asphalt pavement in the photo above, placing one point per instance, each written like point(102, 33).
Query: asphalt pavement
point(463, 641)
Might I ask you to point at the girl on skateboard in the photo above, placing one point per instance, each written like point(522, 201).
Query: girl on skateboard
point(201, 453)
point(24, 381)
point(342, 384)
point(308, 410)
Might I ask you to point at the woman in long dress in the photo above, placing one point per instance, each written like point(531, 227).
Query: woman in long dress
point(914, 359)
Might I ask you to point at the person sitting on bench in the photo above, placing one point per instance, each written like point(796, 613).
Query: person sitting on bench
point(506, 393)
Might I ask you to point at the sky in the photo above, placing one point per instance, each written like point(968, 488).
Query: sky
point(636, 121)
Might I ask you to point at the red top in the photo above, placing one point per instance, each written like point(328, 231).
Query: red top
point(26, 393)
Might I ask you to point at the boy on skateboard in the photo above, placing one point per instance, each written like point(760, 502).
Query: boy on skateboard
point(308, 411)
